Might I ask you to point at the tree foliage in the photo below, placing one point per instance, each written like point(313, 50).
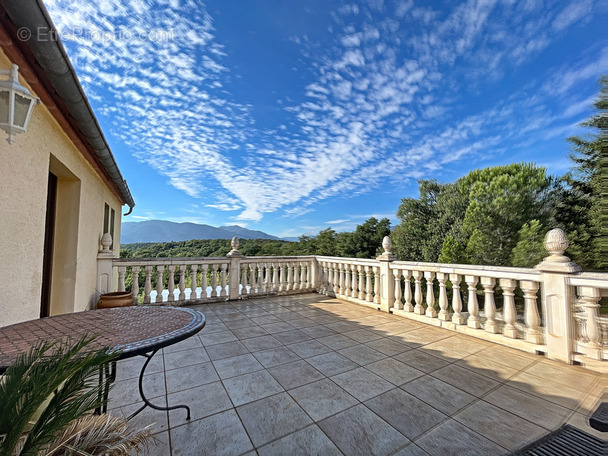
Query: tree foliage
point(476, 219)
point(582, 208)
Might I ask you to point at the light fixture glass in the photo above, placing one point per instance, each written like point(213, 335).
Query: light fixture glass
point(16, 104)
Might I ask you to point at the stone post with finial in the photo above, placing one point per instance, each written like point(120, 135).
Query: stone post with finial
point(557, 296)
point(387, 281)
point(235, 266)
point(105, 257)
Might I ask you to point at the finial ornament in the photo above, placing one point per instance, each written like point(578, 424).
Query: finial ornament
point(387, 255)
point(106, 242)
point(235, 247)
point(387, 244)
point(556, 243)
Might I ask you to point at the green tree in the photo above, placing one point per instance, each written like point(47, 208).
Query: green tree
point(582, 205)
point(501, 200)
point(425, 222)
point(530, 248)
point(367, 238)
point(326, 243)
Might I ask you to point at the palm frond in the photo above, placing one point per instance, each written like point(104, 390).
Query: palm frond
point(99, 434)
point(62, 371)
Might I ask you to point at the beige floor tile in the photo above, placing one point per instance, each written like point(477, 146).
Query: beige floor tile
point(451, 438)
point(466, 380)
point(409, 415)
point(322, 399)
point(441, 395)
point(220, 435)
point(484, 366)
point(350, 432)
point(422, 360)
point(308, 441)
point(529, 406)
point(572, 376)
point(546, 388)
point(272, 418)
point(509, 431)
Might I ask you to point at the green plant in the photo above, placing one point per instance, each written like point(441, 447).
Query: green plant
point(48, 389)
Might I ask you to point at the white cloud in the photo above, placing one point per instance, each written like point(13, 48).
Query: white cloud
point(572, 13)
point(337, 222)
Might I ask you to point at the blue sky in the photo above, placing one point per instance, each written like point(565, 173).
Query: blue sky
point(294, 116)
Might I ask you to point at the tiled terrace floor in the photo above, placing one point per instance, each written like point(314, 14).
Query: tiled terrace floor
point(307, 374)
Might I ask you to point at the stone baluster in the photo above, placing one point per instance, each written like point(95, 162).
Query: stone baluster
point(223, 268)
point(281, 275)
point(418, 308)
point(268, 275)
point(135, 285)
point(204, 269)
point(193, 271)
point(275, 277)
point(285, 276)
point(252, 281)
point(376, 284)
point(430, 295)
point(369, 296)
point(489, 306)
point(531, 315)
point(353, 281)
point(331, 278)
point(182, 282)
point(148, 285)
point(508, 307)
point(121, 278)
point(159, 284)
point(443, 297)
point(589, 302)
point(472, 305)
point(214, 280)
point(457, 317)
point(398, 304)
point(303, 281)
point(360, 270)
point(289, 286)
point(323, 277)
point(244, 280)
point(407, 291)
point(171, 284)
point(341, 290)
point(297, 273)
point(311, 277)
point(347, 280)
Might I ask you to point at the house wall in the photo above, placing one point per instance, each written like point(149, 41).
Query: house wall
point(81, 196)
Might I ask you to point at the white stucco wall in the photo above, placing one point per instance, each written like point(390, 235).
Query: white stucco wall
point(23, 188)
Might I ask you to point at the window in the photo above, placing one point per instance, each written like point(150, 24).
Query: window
point(108, 222)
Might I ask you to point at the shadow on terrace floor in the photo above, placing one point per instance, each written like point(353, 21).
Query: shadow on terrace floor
point(307, 374)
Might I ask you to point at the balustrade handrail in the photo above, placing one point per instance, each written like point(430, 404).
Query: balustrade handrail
point(497, 272)
point(589, 279)
point(164, 261)
point(357, 261)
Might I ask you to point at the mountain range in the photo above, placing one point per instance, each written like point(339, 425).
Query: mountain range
point(164, 231)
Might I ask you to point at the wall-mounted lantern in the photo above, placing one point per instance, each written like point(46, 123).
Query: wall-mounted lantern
point(16, 104)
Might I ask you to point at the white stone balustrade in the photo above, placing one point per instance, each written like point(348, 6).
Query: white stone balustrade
point(553, 308)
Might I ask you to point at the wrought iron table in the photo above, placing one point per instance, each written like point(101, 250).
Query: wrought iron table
point(133, 331)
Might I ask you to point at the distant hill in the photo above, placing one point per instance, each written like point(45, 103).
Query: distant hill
point(164, 231)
